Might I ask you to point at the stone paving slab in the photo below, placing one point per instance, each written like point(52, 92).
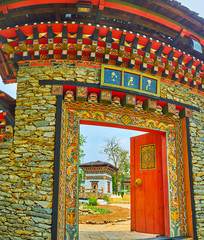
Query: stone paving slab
point(119, 235)
point(110, 231)
point(123, 236)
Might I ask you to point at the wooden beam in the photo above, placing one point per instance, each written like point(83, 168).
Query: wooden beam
point(29, 12)
point(57, 12)
point(140, 21)
point(177, 12)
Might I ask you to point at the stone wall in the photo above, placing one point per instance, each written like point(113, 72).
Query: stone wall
point(71, 73)
point(27, 173)
point(26, 176)
point(197, 145)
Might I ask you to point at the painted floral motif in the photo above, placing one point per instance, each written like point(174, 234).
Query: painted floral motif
point(72, 113)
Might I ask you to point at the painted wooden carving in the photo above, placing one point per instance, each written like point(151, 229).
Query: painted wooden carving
point(93, 98)
point(69, 95)
point(129, 79)
point(147, 157)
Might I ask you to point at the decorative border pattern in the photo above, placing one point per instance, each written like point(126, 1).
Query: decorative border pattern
point(57, 90)
point(72, 113)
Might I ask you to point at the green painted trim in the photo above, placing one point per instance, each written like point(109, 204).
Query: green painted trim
point(11, 2)
point(153, 13)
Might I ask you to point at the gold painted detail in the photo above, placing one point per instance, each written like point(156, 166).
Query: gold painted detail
point(126, 119)
point(147, 157)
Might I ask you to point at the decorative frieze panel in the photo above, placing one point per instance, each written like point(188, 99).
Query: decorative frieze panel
point(129, 80)
point(106, 97)
point(55, 41)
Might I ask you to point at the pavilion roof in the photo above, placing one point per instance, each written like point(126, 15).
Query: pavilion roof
point(114, 13)
point(7, 108)
point(98, 164)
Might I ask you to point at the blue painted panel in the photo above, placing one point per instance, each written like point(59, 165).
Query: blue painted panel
point(131, 80)
point(112, 76)
point(149, 85)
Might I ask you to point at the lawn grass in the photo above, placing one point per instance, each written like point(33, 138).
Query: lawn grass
point(99, 211)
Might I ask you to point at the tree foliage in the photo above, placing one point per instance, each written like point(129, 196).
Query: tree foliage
point(116, 154)
point(82, 142)
point(119, 157)
point(114, 183)
point(124, 163)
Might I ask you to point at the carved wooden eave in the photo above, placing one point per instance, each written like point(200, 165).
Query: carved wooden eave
point(7, 105)
point(6, 71)
point(137, 35)
point(50, 42)
point(33, 9)
point(98, 167)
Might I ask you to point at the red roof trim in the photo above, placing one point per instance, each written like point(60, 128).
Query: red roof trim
point(108, 5)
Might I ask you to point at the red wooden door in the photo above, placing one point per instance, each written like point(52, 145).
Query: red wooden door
point(147, 205)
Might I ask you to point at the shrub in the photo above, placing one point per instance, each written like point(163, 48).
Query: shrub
point(93, 200)
point(106, 197)
point(121, 193)
point(97, 210)
point(114, 183)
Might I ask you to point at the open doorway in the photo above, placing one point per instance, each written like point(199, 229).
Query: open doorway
point(109, 183)
point(74, 114)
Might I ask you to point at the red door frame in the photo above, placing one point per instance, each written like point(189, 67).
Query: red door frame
point(164, 163)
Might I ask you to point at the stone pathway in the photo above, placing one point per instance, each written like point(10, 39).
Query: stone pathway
point(111, 231)
point(117, 231)
point(112, 236)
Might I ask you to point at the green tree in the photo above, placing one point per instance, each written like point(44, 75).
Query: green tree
point(114, 183)
point(82, 142)
point(124, 163)
point(119, 156)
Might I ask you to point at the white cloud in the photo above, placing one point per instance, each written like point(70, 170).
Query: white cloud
point(10, 88)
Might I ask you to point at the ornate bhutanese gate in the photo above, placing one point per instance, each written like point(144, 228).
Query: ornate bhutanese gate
point(72, 114)
point(71, 54)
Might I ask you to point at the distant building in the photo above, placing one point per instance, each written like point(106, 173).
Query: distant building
point(98, 176)
point(7, 108)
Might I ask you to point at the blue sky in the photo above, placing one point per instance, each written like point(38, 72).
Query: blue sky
point(96, 135)
point(194, 5)
point(8, 88)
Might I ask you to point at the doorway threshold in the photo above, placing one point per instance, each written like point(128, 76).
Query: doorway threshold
point(167, 238)
point(123, 236)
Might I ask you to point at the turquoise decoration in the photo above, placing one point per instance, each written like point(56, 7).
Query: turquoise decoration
point(149, 85)
point(131, 80)
point(117, 77)
point(112, 76)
